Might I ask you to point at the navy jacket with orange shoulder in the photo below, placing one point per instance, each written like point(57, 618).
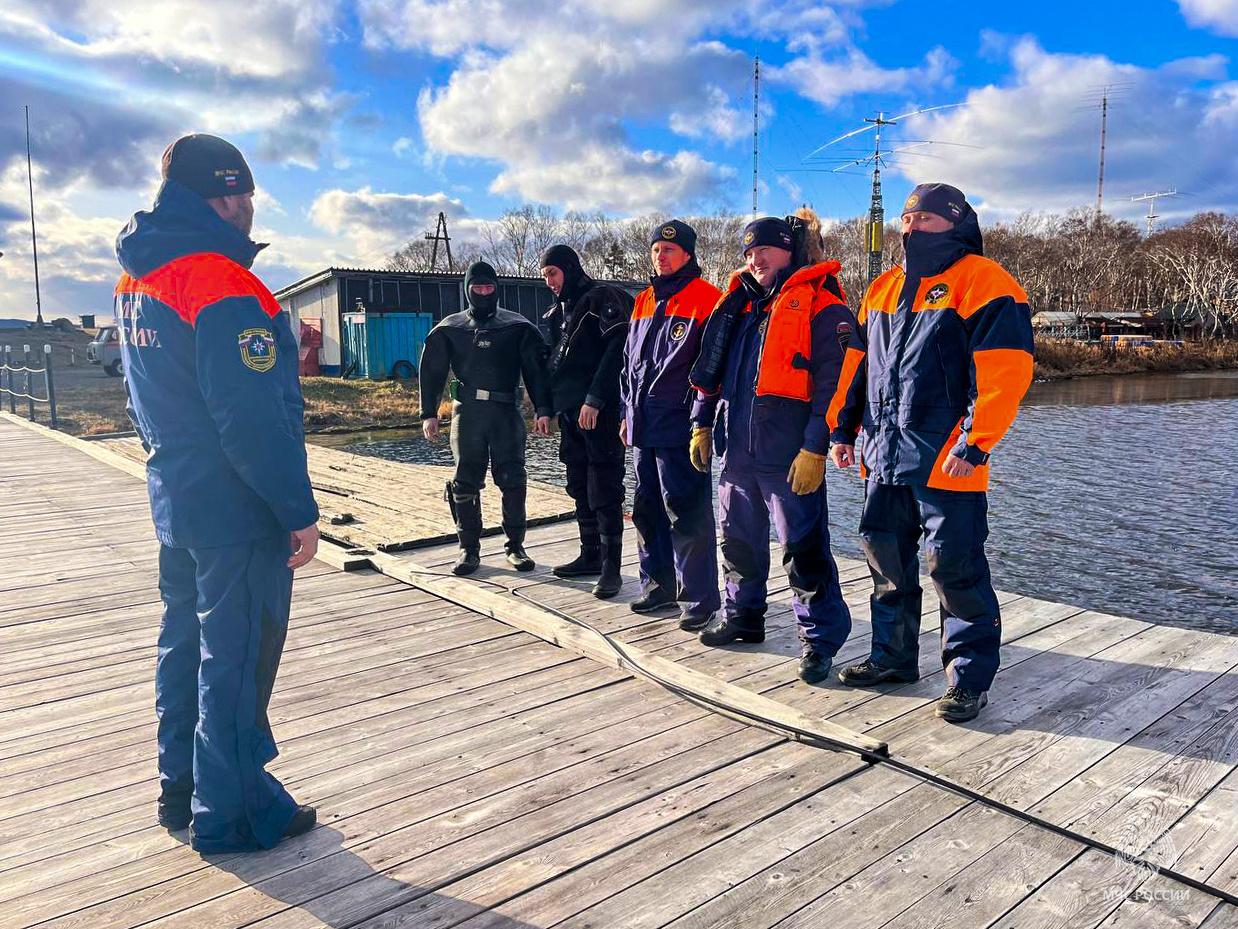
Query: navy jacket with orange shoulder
point(210, 366)
point(940, 359)
point(663, 340)
point(773, 359)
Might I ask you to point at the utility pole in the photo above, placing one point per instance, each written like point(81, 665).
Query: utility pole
point(756, 129)
point(1151, 198)
point(876, 211)
point(34, 238)
point(440, 235)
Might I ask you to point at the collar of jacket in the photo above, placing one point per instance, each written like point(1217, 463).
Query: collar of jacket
point(180, 223)
point(574, 289)
point(928, 254)
point(666, 286)
point(813, 274)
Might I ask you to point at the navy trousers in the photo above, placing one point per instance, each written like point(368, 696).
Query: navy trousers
point(673, 513)
point(225, 617)
point(747, 499)
point(954, 525)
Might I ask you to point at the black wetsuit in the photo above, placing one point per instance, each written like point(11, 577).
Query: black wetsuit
point(488, 354)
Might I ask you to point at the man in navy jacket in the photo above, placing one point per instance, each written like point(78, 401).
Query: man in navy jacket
point(211, 371)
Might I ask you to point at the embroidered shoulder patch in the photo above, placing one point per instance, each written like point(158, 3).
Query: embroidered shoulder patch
point(257, 349)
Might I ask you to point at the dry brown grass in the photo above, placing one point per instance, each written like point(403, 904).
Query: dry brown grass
point(1064, 358)
point(335, 405)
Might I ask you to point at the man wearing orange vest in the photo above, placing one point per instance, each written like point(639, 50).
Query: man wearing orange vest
point(672, 508)
point(934, 374)
point(771, 353)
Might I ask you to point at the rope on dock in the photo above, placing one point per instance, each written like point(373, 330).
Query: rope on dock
point(813, 732)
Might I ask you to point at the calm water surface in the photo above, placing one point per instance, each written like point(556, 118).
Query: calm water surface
point(1117, 494)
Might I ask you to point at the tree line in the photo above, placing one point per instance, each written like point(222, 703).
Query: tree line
point(1074, 262)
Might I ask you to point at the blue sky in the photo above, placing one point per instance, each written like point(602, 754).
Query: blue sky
point(364, 118)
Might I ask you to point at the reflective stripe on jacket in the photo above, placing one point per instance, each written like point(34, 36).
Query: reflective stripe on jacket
point(936, 372)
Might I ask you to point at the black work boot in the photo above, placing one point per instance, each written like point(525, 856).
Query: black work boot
point(814, 666)
point(303, 820)
point(868, 674)
point(654, 600)
point(690, 623)
point(514, 523)
point(466, 511)
point(174, 812)
point(732, 629)
point(611, 580)
point(958, 705)
point(589, 561)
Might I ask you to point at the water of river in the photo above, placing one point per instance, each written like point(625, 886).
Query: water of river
point(1117, 494)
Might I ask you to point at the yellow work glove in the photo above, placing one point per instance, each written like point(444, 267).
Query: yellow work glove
point(701, 448)
point(807, 472)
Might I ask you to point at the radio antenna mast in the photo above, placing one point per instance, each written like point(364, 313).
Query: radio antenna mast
point(879, 157)
point(756, 129)
point(1151, 198)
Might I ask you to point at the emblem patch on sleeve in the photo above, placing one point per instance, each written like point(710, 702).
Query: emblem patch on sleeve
point(936, 294)
point(257, 349)
point(842, 332)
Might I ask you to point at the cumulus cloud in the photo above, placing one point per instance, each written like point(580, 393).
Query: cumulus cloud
point(829, 78)
point(1174, 125)
point(376, 220)
point(1221, 16)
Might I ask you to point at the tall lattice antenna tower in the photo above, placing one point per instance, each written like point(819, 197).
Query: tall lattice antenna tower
point(1104, 98)
point(756, 130)
point(880, 157)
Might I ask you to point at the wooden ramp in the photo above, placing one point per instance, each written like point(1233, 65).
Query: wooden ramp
point(471, 775)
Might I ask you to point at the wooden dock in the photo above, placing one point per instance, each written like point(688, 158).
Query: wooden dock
point(468, 774)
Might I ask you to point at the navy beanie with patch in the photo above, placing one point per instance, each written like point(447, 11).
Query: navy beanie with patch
point(676, 232)
point(207, 165)
point(768, 230)
point(940, 199)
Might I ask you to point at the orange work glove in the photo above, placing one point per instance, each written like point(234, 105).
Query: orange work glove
point(701, 448)
point(807, 472)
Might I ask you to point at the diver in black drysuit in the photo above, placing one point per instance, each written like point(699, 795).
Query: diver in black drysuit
point(488, 349)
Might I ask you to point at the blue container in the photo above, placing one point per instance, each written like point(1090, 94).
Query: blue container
point(378, 346)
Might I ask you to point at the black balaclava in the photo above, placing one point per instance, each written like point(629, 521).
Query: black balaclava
point(930, 253)
point(481, 306)
point(575, 281)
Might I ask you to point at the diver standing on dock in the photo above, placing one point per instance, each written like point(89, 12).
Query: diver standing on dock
point(211, 372)
point(488, 349)
point(771, 353)
point(672, 508)
point(590, 322)
point(934, 374)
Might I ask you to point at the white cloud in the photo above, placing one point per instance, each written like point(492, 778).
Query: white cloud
point(828, 80)
point(1221, 16)
point(714, 117)
point(368, 222)
point(1037, 142)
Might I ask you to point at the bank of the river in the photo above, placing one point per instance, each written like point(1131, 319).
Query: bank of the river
point(1058, 359)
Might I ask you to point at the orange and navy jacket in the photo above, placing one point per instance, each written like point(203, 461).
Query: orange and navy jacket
point(774, 366)
point(210, 367)
point(940, 358)
point(663, 339)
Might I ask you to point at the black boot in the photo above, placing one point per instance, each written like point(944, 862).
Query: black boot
point(514, 523)
point(174, 812)
point(589, 561)
point(814, 667)
point(612, 556)
point(465, 508)
point(654, 600)
point(733, 629)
